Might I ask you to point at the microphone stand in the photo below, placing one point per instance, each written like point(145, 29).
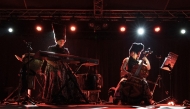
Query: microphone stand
point(26, 71)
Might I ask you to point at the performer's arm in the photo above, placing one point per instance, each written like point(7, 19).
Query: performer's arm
point(124, 67)
point(147, 63)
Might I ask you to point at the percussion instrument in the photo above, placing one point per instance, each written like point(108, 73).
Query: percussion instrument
point(33, 64)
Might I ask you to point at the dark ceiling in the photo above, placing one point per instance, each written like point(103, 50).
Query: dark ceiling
point(112, 10)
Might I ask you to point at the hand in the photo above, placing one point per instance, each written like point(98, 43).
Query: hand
point(147, 63)
point(145, 59)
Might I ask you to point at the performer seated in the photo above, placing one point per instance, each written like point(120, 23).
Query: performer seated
point(131, 90)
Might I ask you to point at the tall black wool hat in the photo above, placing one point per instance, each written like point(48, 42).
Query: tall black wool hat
point(59, 31)
point(136, 47)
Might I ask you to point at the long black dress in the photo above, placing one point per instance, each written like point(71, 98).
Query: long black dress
point(59, 86)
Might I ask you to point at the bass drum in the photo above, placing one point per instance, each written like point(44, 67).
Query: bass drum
point(90, 81)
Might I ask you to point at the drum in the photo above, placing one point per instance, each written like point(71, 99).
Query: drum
point(90, 81)
point(34, 64)
point(29, 70)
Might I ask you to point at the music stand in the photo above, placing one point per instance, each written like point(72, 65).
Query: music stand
point(169, 62)
point(168, 65)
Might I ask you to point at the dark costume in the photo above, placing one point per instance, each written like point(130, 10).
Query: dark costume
point(61, 86)
point(132, 91)
point(58, 88)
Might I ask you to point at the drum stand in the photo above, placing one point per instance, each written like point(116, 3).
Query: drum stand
point(71, 78)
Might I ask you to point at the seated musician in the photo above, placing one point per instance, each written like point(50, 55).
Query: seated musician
point(131, 90)
point(57, 89)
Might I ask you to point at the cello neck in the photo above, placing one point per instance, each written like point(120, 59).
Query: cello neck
point(146, 53)
point(139, 68)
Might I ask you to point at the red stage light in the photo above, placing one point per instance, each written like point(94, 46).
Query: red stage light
point(157, 29)
point(73, 28)
point(38, 28)
point(122, 29)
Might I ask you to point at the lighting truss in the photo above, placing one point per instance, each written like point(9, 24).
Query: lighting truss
point(86, 15)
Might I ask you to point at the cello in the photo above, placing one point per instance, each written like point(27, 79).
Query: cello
point(140, 70)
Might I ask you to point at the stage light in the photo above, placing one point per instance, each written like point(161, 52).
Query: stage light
point(140, 31)
point(73, 24)
point(10, 30)
point(183, 31)
point(38, 28)
point(73, 28)
point(157, 29)
point(122, 28)
point(39, 23)
point(122, 24)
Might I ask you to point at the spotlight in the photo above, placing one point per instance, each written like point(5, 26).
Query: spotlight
point(140, 31)
point(183, 31)
point(157, 29)
point(38, 28)
point(122, 28)
point(73, 28)
point(73, 24)
point(10, 30)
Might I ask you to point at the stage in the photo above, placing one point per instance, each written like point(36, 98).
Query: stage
point(88, 106)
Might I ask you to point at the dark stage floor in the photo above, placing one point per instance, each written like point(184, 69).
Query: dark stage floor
point(88, 106)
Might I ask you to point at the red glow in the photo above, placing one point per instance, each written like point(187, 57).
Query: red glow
point(38, 28)
point(157, 29)
point(122, 29)
point(73, 28)
point(171, 103)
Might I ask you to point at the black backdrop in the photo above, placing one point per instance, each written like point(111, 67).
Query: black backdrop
point(110, 47)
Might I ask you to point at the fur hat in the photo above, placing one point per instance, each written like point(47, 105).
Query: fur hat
point(59, 31)
point(136, 47)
